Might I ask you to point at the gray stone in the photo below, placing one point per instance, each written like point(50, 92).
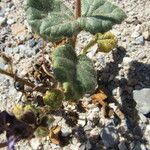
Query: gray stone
point(140, 40)
point(2, 21)
point(135, 34)
point(122, 146)
point(2, 14)
point(32, 43)
point(109, 136)
point(142, 98)
point(139, 146)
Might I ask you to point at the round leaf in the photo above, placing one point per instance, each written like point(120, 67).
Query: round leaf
point(76, 74)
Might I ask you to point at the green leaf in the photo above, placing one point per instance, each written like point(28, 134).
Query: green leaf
point(51, 19)
point(54, 21)
point(106, 42)
point(99, 16)
point(75, 73)
point(53, 98)
point(41, 132)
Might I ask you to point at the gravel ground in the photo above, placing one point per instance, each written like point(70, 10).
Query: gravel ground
point(124, 74)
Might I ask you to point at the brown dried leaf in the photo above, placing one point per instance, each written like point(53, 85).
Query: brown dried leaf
point(54, 134)
point(99, 98)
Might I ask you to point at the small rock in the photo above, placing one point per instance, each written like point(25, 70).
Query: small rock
point(2, 21)
point(92, 114)
point(143, 119)
point(135, 34)
point(65, 130)
point(147, 133)
point(146, 35)
point(82, 122)
point(10, 21)
point(140, 40)
point(88, 126)
point(32, 43)
point(18, 29)
point(82, 147)
point(139, 146)
point(127, 60)
point(94, 131)
point(109, 136)
point(35, 143)
point(88, 145)
point(122, 146)
point(74, 147)
point(2, 14)
point(142, 98)
point(91, 53)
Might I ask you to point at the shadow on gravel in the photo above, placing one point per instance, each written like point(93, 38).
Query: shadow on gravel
point(138, 77)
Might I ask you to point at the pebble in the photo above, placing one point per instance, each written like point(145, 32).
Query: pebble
point(35, 143)
point(146, 35)
point(109, 136)
point(143, 119)
point(2, 21)
point(122, 146)
point(140, 40)
point(139, 146)
point(82, 122)
point(88, 145)
point(10, 21)
point(135, 34)
point(127, 60)
point(142, 98)
point(65, 130)
point(32, 43)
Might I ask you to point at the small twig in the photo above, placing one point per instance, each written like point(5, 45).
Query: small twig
point(23, 81)
point(2, 145)
point(78, 8)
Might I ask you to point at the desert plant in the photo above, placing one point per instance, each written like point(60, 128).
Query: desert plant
point(73, 75)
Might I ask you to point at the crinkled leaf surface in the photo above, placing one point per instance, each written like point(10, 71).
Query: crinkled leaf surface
point(106, 42)
point(75, 73)
point(54, 21)
point(51, 19)
point(99, 15)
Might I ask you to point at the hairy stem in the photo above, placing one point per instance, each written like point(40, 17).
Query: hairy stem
point(78, 8)
point(23, 81)
point(89, 45)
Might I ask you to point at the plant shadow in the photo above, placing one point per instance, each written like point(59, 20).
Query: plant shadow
point(138, 77)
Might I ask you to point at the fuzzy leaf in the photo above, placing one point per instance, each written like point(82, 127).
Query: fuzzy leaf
point(53, 98)
point(51, 19)
point(99, 16)
point(41, 132)
point(54, 21)
point(106, 42)
point(76, 74)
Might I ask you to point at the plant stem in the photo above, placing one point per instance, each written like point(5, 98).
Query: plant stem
point(2, 145)
point(78, 8)
point(23, 81)
point(89, 45)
